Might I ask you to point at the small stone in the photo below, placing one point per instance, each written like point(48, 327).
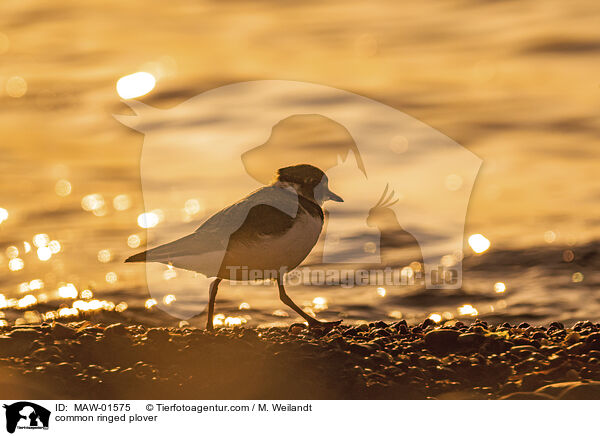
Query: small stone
point(582, 391)
point(62, 331)
point(595, 353)
point(381, 332)
point(572, 338)
point(521, 340)
point(246, 334)
point(403, 329)
point(296, 328)
point(428, 361)
point(337, 341)
point(523, 349)
point(593, 345)
point(470, 340)
point(526, 396)
point(26, 334)
point(6, 346)
point(44, 354)
point(481, 322)
point(397, 324)
point(116, 330)
point(383, 357)
point(556, 389)
point(64, 367)
point(428, 323)
point(530, 382)
point(362, 349)
point(578, 348)
point(158, 335)
point(593, 337)
point(572, 375)
point(580, 325)
point(87, 340)
point(350, 332)
point(441, 340)
point(476, 329)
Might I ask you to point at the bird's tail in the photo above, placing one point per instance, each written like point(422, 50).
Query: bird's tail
point(140, 257)
point(165, 252)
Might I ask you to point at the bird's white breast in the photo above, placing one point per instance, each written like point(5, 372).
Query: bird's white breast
point(285, 251)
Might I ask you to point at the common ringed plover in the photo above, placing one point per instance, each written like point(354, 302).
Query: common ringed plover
point(272, 229)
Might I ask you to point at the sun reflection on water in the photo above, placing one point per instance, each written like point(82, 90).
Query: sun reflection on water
point(467, 309)
point(3, 302)
point(319, 303)
point(26, 301)
point(67, 291)
point(44, 253)
point(135, 85)
point(16, 264)
point(499, 287)
point(479, 243)
point(435, 317)
point(104, 256)
point(36, 284)
point(92, 202)
point(12, 252)
point(122, 202)
point(234, 321)
point(133, 241)
point(111, 277)
point(148, 220)
point(3, 215)
point(63, 188)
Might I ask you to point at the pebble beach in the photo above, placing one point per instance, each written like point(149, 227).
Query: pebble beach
point(379, 360)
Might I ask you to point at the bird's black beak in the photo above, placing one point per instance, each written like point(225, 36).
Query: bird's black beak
point(334, 197)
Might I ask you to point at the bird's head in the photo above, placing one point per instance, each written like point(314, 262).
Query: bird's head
point(308, 181)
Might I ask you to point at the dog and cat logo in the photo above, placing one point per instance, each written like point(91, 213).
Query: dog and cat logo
point(26, 415)
point(404, 183)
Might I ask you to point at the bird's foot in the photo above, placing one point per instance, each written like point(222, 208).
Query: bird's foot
point(323, 327)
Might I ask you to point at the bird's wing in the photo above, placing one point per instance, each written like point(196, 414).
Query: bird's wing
point(267, 211)
point(264, 208)
point(262, 221)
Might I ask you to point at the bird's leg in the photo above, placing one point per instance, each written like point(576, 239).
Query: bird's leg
point(214, 286)
point(312, 322)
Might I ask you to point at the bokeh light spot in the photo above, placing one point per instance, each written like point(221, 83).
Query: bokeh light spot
point(63, 188)
point(135, 85)
point(16, 87)
point(479, 243)
point(148, 220)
